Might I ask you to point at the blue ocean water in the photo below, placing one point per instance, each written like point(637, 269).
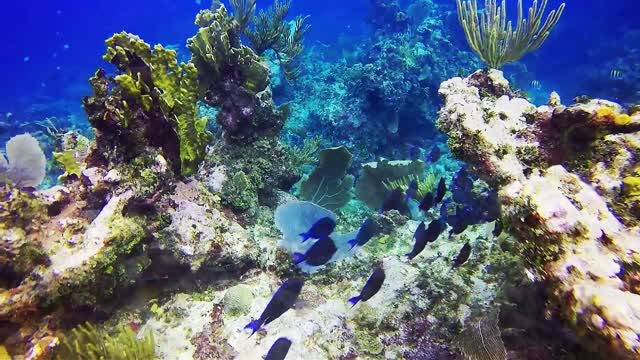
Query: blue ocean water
point(51, 48)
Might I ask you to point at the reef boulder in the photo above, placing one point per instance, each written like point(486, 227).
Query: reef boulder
point(559, 171)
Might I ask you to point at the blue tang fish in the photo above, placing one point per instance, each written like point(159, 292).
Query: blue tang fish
point(279, 349)
point(371, 288)
point(320, 229)
point(283, 300)
point(368, 229)
point(318, 254)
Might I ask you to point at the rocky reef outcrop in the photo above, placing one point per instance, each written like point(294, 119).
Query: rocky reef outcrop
point(565, 177)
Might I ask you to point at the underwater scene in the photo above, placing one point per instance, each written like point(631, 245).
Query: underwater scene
point(296, 179)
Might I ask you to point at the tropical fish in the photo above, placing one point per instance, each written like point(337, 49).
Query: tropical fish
point(441, 191)
point(536, 84)
point(368, 229)
point(463, 255)
point(279, 349)
point(434, 154)
point(458, 225)
point(394, 201)
point(426, 203)
point(497, 228)
point(412, 190)
point(616, 74)
point(372, 286)
point(318, 254)
point(320, 229)
point(424, 236)
point(283, 300)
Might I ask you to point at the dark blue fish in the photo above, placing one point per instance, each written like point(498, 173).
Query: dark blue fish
point(283, 300)
point(441, 191)
point(395, 201)
point(463, 255)
point(372, 286)
point(497, 228)
point(412, 190)
point(424, 236)
point(433, 155)
point(413, 152)
point(368, 229)
point(279, 349)
point(320, 230)
point(458, 225)
point(318, 254)
point(426, 203)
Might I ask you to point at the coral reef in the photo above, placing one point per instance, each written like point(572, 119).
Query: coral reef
point(151, 102)
point(559, 171)
point(383, 93)
point(328, 185)
point(234, 79)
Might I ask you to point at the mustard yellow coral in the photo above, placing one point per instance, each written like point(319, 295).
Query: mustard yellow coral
point(631, 184)
point(622, 119)
point(605, 113)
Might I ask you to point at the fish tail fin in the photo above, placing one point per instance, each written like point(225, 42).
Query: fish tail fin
point(353, 243)
point(305, 236)
point(354, 300)
point(254, 326)
point(298, 258)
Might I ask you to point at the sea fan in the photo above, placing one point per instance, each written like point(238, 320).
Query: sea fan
point(480, 340)
point(26, 163)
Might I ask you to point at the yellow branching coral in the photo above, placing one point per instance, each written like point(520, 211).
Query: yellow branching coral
point(425, 185)
point(88, 342)
point(492, 37)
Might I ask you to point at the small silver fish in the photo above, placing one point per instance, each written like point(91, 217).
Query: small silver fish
point(535, 84)
point(616, 74)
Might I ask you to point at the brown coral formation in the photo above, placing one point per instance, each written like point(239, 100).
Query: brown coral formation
point(560, 173)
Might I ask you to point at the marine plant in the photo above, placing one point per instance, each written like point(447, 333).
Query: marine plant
point(426, 184)
point(492, 37)
point(25, 164)
point(150, 102)
point(88, 342)
point(306, 154)
point(329, 185)
point(481, 339)
point(270, 31)
point(371, 187)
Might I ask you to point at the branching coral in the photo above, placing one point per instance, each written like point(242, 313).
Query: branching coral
point(269, 30)
point(306, 154)
point(88, 342)
point(152, 101)
point(425, 184)
point(492, 37)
